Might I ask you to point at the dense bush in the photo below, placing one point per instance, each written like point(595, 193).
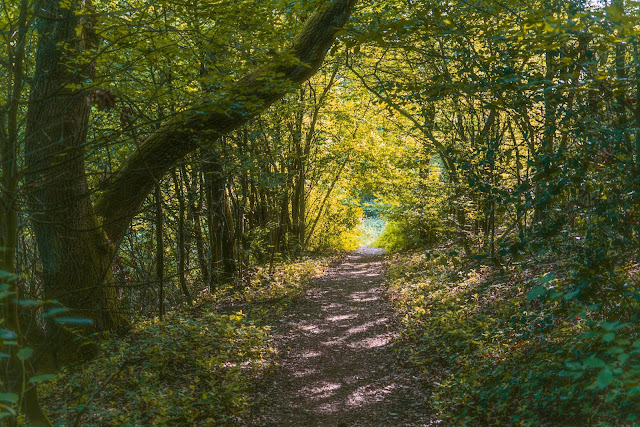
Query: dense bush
point(507, 347)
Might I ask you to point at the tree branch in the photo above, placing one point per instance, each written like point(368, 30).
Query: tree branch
point(250, 96)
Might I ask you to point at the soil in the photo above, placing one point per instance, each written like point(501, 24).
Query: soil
point(338, 364)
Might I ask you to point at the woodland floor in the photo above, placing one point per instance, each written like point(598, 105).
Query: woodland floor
point(338, 365)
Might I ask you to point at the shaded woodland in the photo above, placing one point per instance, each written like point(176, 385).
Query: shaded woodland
point(174, 174)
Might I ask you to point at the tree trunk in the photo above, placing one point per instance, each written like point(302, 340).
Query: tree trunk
point(181, 238)
point(76, 255)
point(195, 196)
point(159, 251)
point(219, 225)
point(214, 247)
point(297, 198)
point(546, 151)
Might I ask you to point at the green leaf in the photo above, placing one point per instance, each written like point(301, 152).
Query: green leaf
point(55, 310)
point(608, 337)
point(615, 350)
point(8, 411)
point(5, 276)
point(74, 321)
point(29, 303)
point(575, 366)
point(41, 378)
point(613, 326)
point(623, 357)
point(615, 12)
point(570, 295)
point(25, 353)
point(9, 397)
point(7, 334)
point(546, 278)
point(594, 362)
point(536, 292)
point(610, 326)
point(604, 377)
point(5, 294)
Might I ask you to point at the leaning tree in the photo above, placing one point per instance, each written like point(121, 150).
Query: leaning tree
point(77, 238)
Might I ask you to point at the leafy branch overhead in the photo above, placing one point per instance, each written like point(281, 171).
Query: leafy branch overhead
point(243, 101)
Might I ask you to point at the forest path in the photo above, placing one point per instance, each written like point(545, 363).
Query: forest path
point(338, 366)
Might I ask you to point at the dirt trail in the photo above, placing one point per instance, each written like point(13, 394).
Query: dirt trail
point(338, 367)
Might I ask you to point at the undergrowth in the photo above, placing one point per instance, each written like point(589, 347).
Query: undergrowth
point(503, 345)
point(195, 367)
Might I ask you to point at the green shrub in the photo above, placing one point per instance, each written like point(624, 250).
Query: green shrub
point(508, 347)
point(198, 366)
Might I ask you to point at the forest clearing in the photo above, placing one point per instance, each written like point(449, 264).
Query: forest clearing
point(319, 212)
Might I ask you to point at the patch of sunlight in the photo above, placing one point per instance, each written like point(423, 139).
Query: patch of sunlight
point(370, 393)
point(321, 389)
point(373, 342)
point(342, 317)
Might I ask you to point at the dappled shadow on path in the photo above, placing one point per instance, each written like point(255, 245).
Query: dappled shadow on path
point(338, 367)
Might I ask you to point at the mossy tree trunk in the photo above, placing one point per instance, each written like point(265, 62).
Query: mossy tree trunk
point(76, 254)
